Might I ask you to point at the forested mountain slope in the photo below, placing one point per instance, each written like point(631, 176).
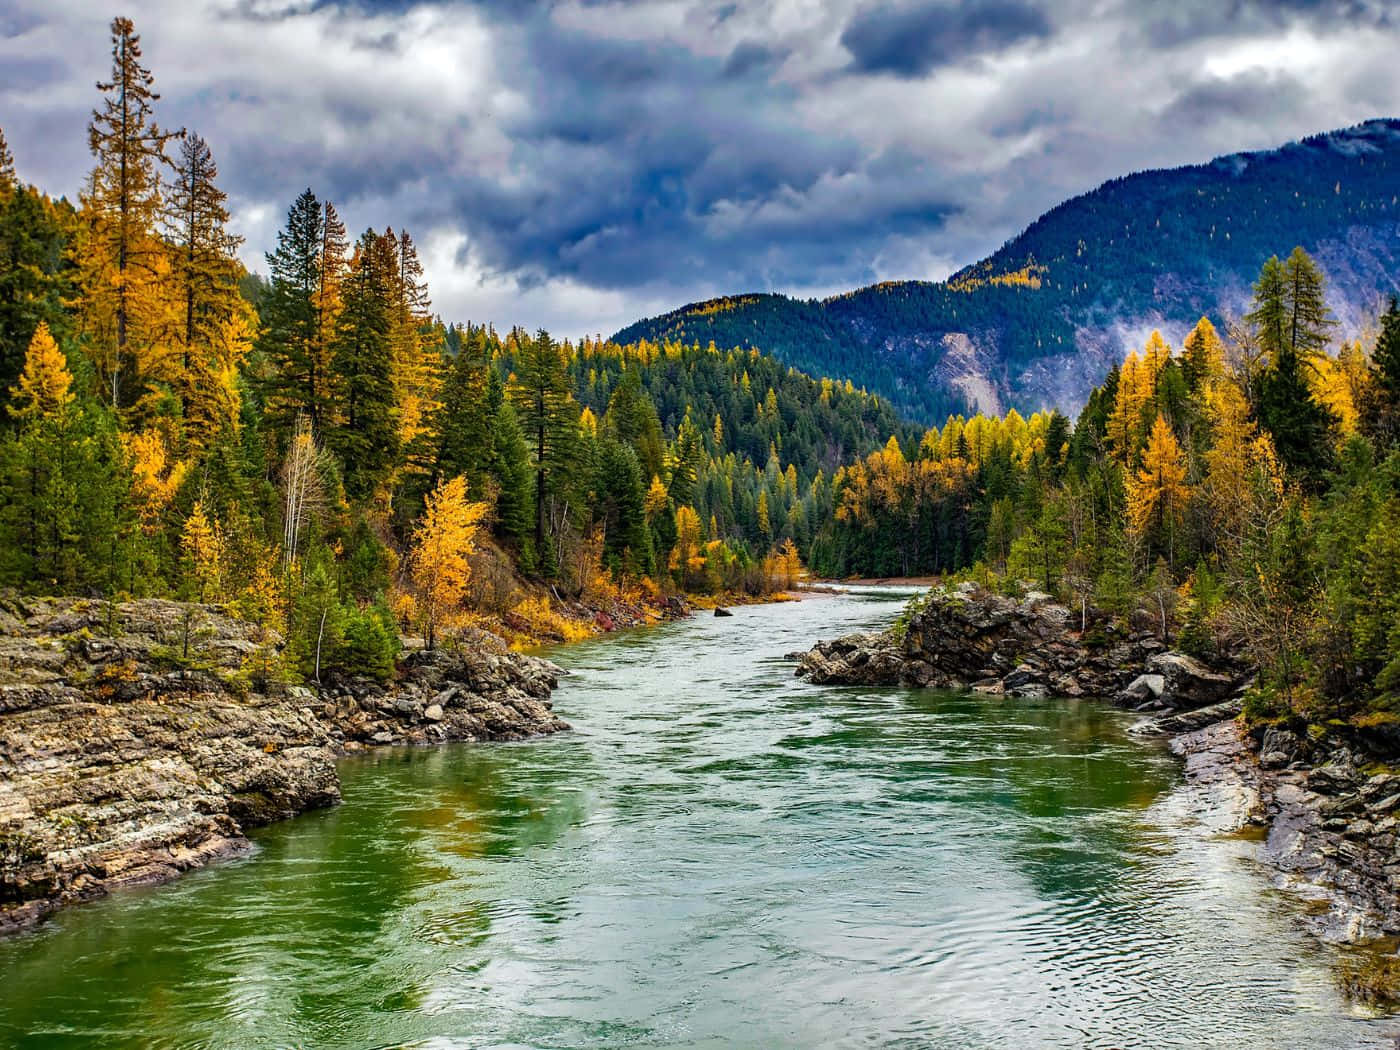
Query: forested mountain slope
point(1040, 321)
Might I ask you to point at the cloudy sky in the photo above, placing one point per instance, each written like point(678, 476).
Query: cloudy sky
point(581, 163)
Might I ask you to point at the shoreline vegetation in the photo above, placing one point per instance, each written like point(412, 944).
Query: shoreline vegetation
point(319, 451)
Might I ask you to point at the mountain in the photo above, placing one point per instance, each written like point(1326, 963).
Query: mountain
point(1038, 323)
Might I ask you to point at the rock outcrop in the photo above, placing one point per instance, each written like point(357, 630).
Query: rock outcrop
point(133, 746)
point(1330, 829)
point(1031, 647)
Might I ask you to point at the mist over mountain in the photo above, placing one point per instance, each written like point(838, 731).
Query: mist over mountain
point(1038, 322)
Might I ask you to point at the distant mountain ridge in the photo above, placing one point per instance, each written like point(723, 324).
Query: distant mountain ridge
point(1038, 322)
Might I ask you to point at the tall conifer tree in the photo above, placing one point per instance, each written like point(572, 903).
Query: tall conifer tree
point(293, 328)
point(214, 327)
point(366, 437)
point(122, 261)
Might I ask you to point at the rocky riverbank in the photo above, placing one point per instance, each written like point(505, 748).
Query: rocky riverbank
point(135, 746)
point(1325, 804)
point(1029, 647)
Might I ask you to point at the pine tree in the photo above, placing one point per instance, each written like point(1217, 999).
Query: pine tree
point(1380, 409)
point(621, 507)
point(215, 331)
point(1300, 427)
point(295, 317)
point(689, 451)
point(1309, 321)
point(509, 465)
point(1290, 308)
point(1269, 317)
point(464, 418)
point(1204, 356)
point(66, 522)
point(548, 415)
point(122, 261)
point(36, 272)
point(631, 415)
point(366, 434)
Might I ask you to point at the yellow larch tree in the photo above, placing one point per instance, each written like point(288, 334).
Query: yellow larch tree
point(1155, 354)
point(45, 386)
point(1136, 383)
point(1240, 465)
point(442, 544)
point(214, 327)
point(688, 555)
point(1157, 492)
point(417, 369)
point(1340, 384)
point(206, 547)
point(657, 499)
point(155, 479)
point(128, 313)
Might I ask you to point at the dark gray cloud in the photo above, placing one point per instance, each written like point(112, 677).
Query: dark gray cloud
point(910, 39)
point(1246, 96)
point(1189, 21)
point(578, 163)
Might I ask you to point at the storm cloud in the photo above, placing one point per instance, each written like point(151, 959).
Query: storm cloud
point(579, 163)
point(912, 39)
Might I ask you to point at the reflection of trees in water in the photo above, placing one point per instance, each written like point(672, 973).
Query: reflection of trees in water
point(1056, 781)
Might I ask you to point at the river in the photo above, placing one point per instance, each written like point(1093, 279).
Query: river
point(719, 855)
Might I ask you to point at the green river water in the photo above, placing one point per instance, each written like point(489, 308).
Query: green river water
point(719, 855)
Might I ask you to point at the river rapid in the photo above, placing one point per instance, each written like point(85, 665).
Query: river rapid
point(719, 855)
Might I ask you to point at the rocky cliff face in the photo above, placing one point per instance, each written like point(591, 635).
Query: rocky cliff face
point(132, 746)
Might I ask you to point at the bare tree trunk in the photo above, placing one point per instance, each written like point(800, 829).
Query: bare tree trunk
point(320, 633)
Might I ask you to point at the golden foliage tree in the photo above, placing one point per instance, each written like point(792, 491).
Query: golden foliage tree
point(657, 499)
point(442, 543)
point(1157, 492)
point(123, 266)
point(45, 386)
point(155, 479)
point(206, 547)
point(1240, 466)
point(1204, 355)
point(688, 555)
point(1125, 421)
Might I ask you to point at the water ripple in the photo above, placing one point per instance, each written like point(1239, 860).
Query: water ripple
point(719, 856)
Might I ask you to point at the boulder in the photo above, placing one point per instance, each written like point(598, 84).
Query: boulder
point(1334, 779)
point(720, 610)
point(1143, 688)
point(857, 659)
point(1189, 683)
